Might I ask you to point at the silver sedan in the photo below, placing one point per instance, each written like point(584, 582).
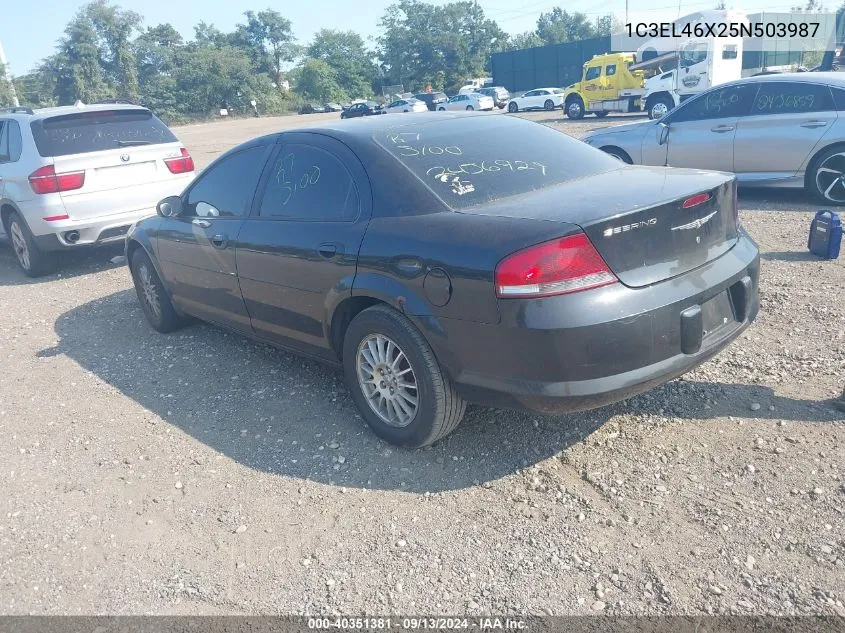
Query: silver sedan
point(771, 130)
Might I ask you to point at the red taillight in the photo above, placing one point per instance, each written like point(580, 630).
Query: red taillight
point(46, 180)
point(567, 264)
point(696, 200)
point(180, 165)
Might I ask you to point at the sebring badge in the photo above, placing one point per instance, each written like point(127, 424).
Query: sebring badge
point(615, 230)
point(695, 224)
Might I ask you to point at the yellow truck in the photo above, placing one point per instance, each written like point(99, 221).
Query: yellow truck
point(607, 85)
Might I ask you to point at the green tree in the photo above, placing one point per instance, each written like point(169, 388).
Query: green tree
point(317, 81)
point(558, 26)
point(529, 39)
point(268, 39)
point(347, 55)
point(206, 78)
point(76, 65)
point(7, 91)
point(439, 45)
point(115, 29)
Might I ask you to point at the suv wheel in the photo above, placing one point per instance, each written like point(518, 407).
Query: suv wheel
point(396, 382)
point(151, 293)
point(33, 261)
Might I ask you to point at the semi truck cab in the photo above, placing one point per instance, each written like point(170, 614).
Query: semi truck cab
point(607, 85)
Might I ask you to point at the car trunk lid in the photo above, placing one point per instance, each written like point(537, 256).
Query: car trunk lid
point(121, 151)
point(131, 173)
point(649, 224)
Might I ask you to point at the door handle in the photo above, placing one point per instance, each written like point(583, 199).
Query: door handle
point(720, 129)
point(219, 241)
point(203, 224)
point(813, 124)
point(327, 250)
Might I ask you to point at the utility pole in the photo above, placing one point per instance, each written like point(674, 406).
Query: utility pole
point(4, 66)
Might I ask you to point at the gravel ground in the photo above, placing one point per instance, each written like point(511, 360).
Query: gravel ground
point(203, 473)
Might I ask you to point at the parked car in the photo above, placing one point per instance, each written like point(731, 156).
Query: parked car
point(406, 105)
point(468, 101)
point(79, 176)
point(500, 95)
point(312, 108)
point(432, 99)
point(332, 107)
point(454, 258)
point(367, 108)
point(539, 99)
point(783, 130)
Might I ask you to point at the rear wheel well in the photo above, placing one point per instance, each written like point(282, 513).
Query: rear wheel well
point(342, 317)
point(5, 211)
point(618, 151)
point(131, 247)
point(811, 164)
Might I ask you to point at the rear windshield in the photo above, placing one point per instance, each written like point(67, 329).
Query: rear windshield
point(83, 132)
point(470, 161)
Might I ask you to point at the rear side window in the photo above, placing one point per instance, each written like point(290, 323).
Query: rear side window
point(473, 161)
point(783, 97)
point(227, 188)
point(309, 184)
point(94, 131)
point(717, 104)
point(610, 70)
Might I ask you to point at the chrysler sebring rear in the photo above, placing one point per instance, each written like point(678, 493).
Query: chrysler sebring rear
point(459, 258)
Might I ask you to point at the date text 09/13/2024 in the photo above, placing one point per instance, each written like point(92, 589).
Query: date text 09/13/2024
point(416, 623)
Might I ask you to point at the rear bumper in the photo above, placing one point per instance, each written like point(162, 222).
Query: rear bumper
point(589, 349)
point(93, 232)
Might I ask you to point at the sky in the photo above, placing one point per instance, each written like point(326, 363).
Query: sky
point(29, 30)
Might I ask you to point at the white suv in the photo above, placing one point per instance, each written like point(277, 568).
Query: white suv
point(77, 176)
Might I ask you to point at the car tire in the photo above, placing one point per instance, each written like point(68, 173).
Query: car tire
point(819, 180)
point(470, 108)
point(574, 108)
point(155, 302)
point(549, 105)
point(601, 115)
point(438, 409)
point(659, 107)
point(442, 109)
point(512, 107)
point(33, 261)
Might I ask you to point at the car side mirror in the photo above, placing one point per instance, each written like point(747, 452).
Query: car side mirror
point(170, 207)
point(664, 133)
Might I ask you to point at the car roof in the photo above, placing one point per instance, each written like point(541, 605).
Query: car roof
point(363, 129)
point(43, 113)
point(829, 78)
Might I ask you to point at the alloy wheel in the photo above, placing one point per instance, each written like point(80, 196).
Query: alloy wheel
point(148, 287)
point(20, 245)
point(574, 110)
point(387, 380)
point(830, 178)
point(659, 110)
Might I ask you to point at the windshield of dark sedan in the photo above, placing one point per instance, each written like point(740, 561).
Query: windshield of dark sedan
point(473, 160)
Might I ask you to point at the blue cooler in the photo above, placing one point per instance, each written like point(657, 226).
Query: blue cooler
point(825, 235)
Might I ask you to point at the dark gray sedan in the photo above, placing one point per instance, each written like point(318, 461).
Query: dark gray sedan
point(456, 258)
point(782, 130)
